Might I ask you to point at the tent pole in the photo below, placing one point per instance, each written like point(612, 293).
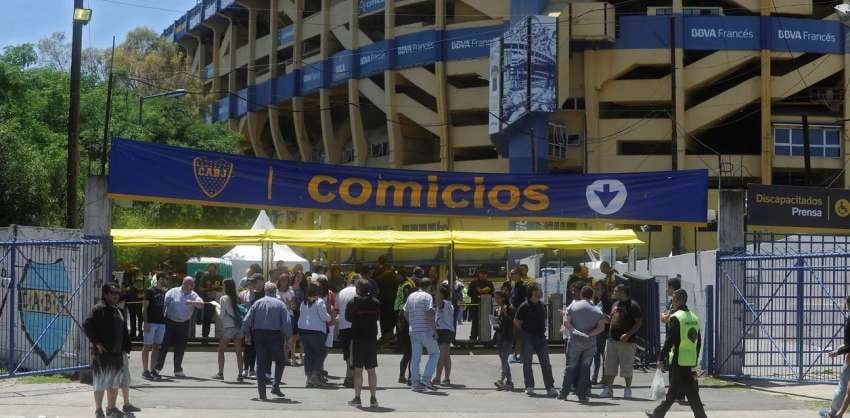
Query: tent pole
point(451, 273)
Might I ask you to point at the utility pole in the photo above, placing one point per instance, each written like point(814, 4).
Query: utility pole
point(674, 132)
point(105, 144)
point(74, 122)
point(807, 151)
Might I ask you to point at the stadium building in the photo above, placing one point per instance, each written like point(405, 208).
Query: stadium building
point(722, 85)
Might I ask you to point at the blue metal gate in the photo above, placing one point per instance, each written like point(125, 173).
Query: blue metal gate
point(780, 309)
point(47, 288)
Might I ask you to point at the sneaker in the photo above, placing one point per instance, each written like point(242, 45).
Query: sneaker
point(355, 402)
point(551, 392)
point(824, 413)
point(650, 414)
point(219, 376)
point(147, 375)
point(252, 374)
point(447, 382)
point(114, 413)
point(99, 414)
point(428, 385)
point(240, 378)
point(516, 360)
point(529, 391)
point(180, 374)
point(627, 393)
point(276, 391)
point(402, 380)
point(156, 375)
point(562, 396)
point(509, 386)
point(435, 382)
point(373, 402)
point(499, 385)
point(584, 400)
point(606, 393)
point(419, 388)
point(129, 408)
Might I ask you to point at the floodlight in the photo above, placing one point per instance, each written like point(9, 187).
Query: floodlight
point(82, 15)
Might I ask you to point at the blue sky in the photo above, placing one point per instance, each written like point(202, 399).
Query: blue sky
point(30, 20)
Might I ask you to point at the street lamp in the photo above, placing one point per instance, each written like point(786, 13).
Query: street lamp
point(172, 93)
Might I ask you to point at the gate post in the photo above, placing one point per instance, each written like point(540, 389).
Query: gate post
point(12, 305)
point(800, 329)
point(708, 338)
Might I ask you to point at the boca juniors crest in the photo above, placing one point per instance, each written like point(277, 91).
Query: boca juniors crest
point(212, 175)
point(43, 291)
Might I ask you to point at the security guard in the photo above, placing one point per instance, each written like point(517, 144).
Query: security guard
point(682, 348)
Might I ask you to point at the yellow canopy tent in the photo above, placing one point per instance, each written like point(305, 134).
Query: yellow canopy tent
point(327, 238)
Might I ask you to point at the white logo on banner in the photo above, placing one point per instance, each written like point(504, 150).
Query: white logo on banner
point(606, 197)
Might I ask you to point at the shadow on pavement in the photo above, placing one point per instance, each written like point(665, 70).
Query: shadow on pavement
point(380, 409)
point(277, 400)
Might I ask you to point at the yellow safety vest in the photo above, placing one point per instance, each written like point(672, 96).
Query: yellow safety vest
point(688, 338)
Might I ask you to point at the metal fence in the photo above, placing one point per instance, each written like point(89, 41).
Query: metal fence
point(47, 288)
point(780, 309)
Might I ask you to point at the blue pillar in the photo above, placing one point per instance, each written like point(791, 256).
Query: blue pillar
point(527, 138)
point(528, 144)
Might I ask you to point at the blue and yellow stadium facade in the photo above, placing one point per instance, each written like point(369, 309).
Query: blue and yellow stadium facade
point(643, 86)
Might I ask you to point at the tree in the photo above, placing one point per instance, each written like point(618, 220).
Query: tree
point(22, 56)
point(33, 127)
point(55, 51)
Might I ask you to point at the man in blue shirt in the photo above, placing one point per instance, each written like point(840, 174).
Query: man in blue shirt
point(269, 323)
point(180, 303)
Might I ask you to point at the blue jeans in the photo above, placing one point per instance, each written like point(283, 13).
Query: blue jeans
point(841, 390)
point(579, 359)
point(532, 344)
point(505, 347)
point(419, 340)
point(314, 351)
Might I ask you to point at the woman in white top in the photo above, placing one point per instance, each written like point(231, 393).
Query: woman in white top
point(231, 321)
point(313, 324)
point(284, 291)
point(445, 334)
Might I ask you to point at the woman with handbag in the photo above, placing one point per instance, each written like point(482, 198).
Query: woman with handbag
point(232, 313)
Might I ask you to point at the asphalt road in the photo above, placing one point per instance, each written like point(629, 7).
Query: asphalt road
point(472, 393)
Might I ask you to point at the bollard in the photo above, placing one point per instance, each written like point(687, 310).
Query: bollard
point(485, 308)
point(556, 303)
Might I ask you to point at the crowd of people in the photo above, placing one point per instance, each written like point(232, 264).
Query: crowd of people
point(292, 318)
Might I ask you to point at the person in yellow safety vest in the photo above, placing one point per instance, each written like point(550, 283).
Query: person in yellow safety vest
point(682, 349)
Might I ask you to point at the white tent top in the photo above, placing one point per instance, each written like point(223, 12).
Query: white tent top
point(242, 256)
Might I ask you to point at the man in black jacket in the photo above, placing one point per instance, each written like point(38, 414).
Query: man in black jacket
point(110, 341)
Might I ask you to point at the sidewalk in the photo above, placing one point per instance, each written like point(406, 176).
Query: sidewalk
point(52, 411)
point(471, 395)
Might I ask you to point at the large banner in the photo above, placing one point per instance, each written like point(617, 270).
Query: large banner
point(798, 207)
point(146, 171)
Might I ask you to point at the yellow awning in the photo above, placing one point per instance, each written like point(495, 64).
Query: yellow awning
point(338, 238)
point(544, 239)
point(185, 237)
point(328, 238)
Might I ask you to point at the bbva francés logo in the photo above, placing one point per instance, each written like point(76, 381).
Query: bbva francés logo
point(212, 175)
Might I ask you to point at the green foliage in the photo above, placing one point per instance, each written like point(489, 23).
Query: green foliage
point(33, 129)
point(23, 55)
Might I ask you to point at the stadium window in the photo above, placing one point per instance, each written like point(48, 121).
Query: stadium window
point(824, 140)
point(381, 149)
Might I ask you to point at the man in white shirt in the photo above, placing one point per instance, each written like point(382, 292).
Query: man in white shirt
point(180, 303)
point(345, 296)
point(420, 314)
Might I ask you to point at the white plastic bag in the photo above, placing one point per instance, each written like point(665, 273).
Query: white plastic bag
point(658, 389)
